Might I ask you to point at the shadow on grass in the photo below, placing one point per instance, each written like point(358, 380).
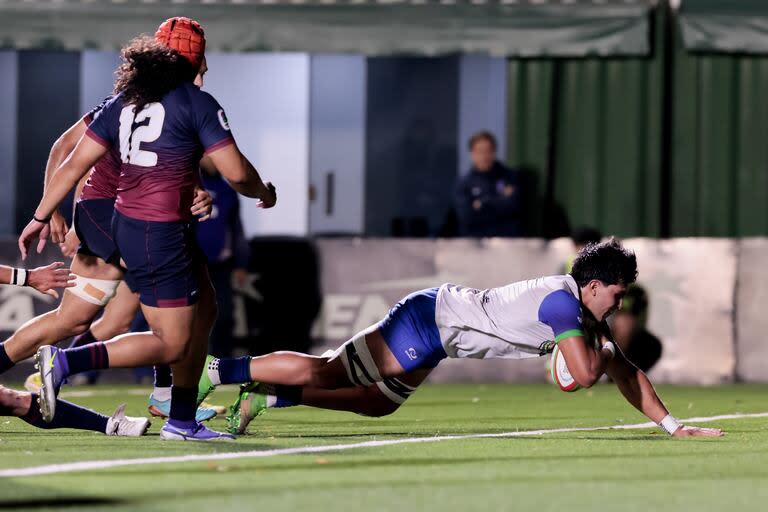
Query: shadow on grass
point(71, 501)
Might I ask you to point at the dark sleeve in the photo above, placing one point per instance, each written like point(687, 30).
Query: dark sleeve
point(562, 312)
point(95, 111)
point(240, 247)
point(462, 202)
point(212, 124)
point(105, 127)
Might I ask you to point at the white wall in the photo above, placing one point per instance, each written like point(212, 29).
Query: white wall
point(8, 96)
point(97, 77)
point(337, 143)
point(266, 98)
point(482, 103)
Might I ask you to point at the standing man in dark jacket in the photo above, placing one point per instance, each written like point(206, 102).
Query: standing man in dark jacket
point(487, 200)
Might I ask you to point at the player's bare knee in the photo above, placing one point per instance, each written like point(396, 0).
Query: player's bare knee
point(6, 397)
point(323, 374)
point(176, 350)
point(12, 402)
point(377, 404)
point(73, 323)
point(77, 329)
point(119, 328)
point(177, 353)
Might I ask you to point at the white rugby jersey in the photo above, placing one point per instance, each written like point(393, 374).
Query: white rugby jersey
point(520, 320)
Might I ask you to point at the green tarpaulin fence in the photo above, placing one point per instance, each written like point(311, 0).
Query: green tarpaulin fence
point(739, 26)
point(521, 28)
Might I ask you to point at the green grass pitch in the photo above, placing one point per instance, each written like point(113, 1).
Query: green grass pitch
point(641, 470)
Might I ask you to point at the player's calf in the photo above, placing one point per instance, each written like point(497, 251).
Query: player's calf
point(13, 403)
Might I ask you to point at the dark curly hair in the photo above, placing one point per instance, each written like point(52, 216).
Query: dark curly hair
point(149, 70)
point(607, 261)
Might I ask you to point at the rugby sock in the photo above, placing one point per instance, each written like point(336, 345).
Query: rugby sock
point(183, 407)
point(230, 371)
point(88, 357)
point(163, 381)
point(83, 339)
point(68, 415)
point(283, 396)
point(5, 361)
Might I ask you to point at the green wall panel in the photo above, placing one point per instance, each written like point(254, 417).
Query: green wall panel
point(607, 172)
point(720, 155)
point(609, 129)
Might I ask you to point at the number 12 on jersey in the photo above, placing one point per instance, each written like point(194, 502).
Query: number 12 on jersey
point(131, 136)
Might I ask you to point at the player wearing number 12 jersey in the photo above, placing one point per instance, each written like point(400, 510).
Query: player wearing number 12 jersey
point(161, 124)
point(96, 263)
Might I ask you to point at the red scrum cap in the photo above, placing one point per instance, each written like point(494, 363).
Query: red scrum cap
point(184, 35)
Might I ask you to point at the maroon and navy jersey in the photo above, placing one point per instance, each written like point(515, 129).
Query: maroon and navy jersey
point(160, 149)
point(103, 178)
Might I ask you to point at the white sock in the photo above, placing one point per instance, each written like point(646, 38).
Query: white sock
point(161, 394)
point(270, 391)
point(213, 371)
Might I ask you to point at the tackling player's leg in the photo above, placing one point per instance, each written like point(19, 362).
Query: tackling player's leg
point(24, 406)
point(386, 356)
point(379, 400)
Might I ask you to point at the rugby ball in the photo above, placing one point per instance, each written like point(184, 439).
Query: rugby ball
point(560, 373)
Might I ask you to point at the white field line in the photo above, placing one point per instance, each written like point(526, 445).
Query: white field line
point(107, 464)
point(87, 393)
point(145, 391)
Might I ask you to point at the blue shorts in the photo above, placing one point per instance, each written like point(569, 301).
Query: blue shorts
point(93, 225)
point(411, 332)
point(161, 258)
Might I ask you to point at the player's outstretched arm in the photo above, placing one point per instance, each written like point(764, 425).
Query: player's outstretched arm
point(43, 279)
point(85, 155)
point(63, 146)
point(240, 174)
point(638, 390)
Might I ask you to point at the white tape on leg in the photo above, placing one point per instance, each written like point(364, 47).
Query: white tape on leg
point(358, 362)
point(95, 291)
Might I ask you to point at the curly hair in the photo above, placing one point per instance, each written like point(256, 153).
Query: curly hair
point(607, 261)
point(149, 70)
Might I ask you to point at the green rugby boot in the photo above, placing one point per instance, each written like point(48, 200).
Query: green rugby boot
point(251, 402)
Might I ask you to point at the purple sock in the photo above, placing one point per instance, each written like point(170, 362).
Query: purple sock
point(163, 377)
point(83, 339)
point(68, 415)
point(5, 361)
point(88, 357)
point(235, 371)
point(183, 407)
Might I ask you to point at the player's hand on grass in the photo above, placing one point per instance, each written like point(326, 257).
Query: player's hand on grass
point(58, 227)
point(202, 204)
point(270, 198)
point(70, 245)
point(55, 275)
point(35, 229)
point(686, 431)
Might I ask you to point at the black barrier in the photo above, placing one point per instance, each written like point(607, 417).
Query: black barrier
point(277, 307)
